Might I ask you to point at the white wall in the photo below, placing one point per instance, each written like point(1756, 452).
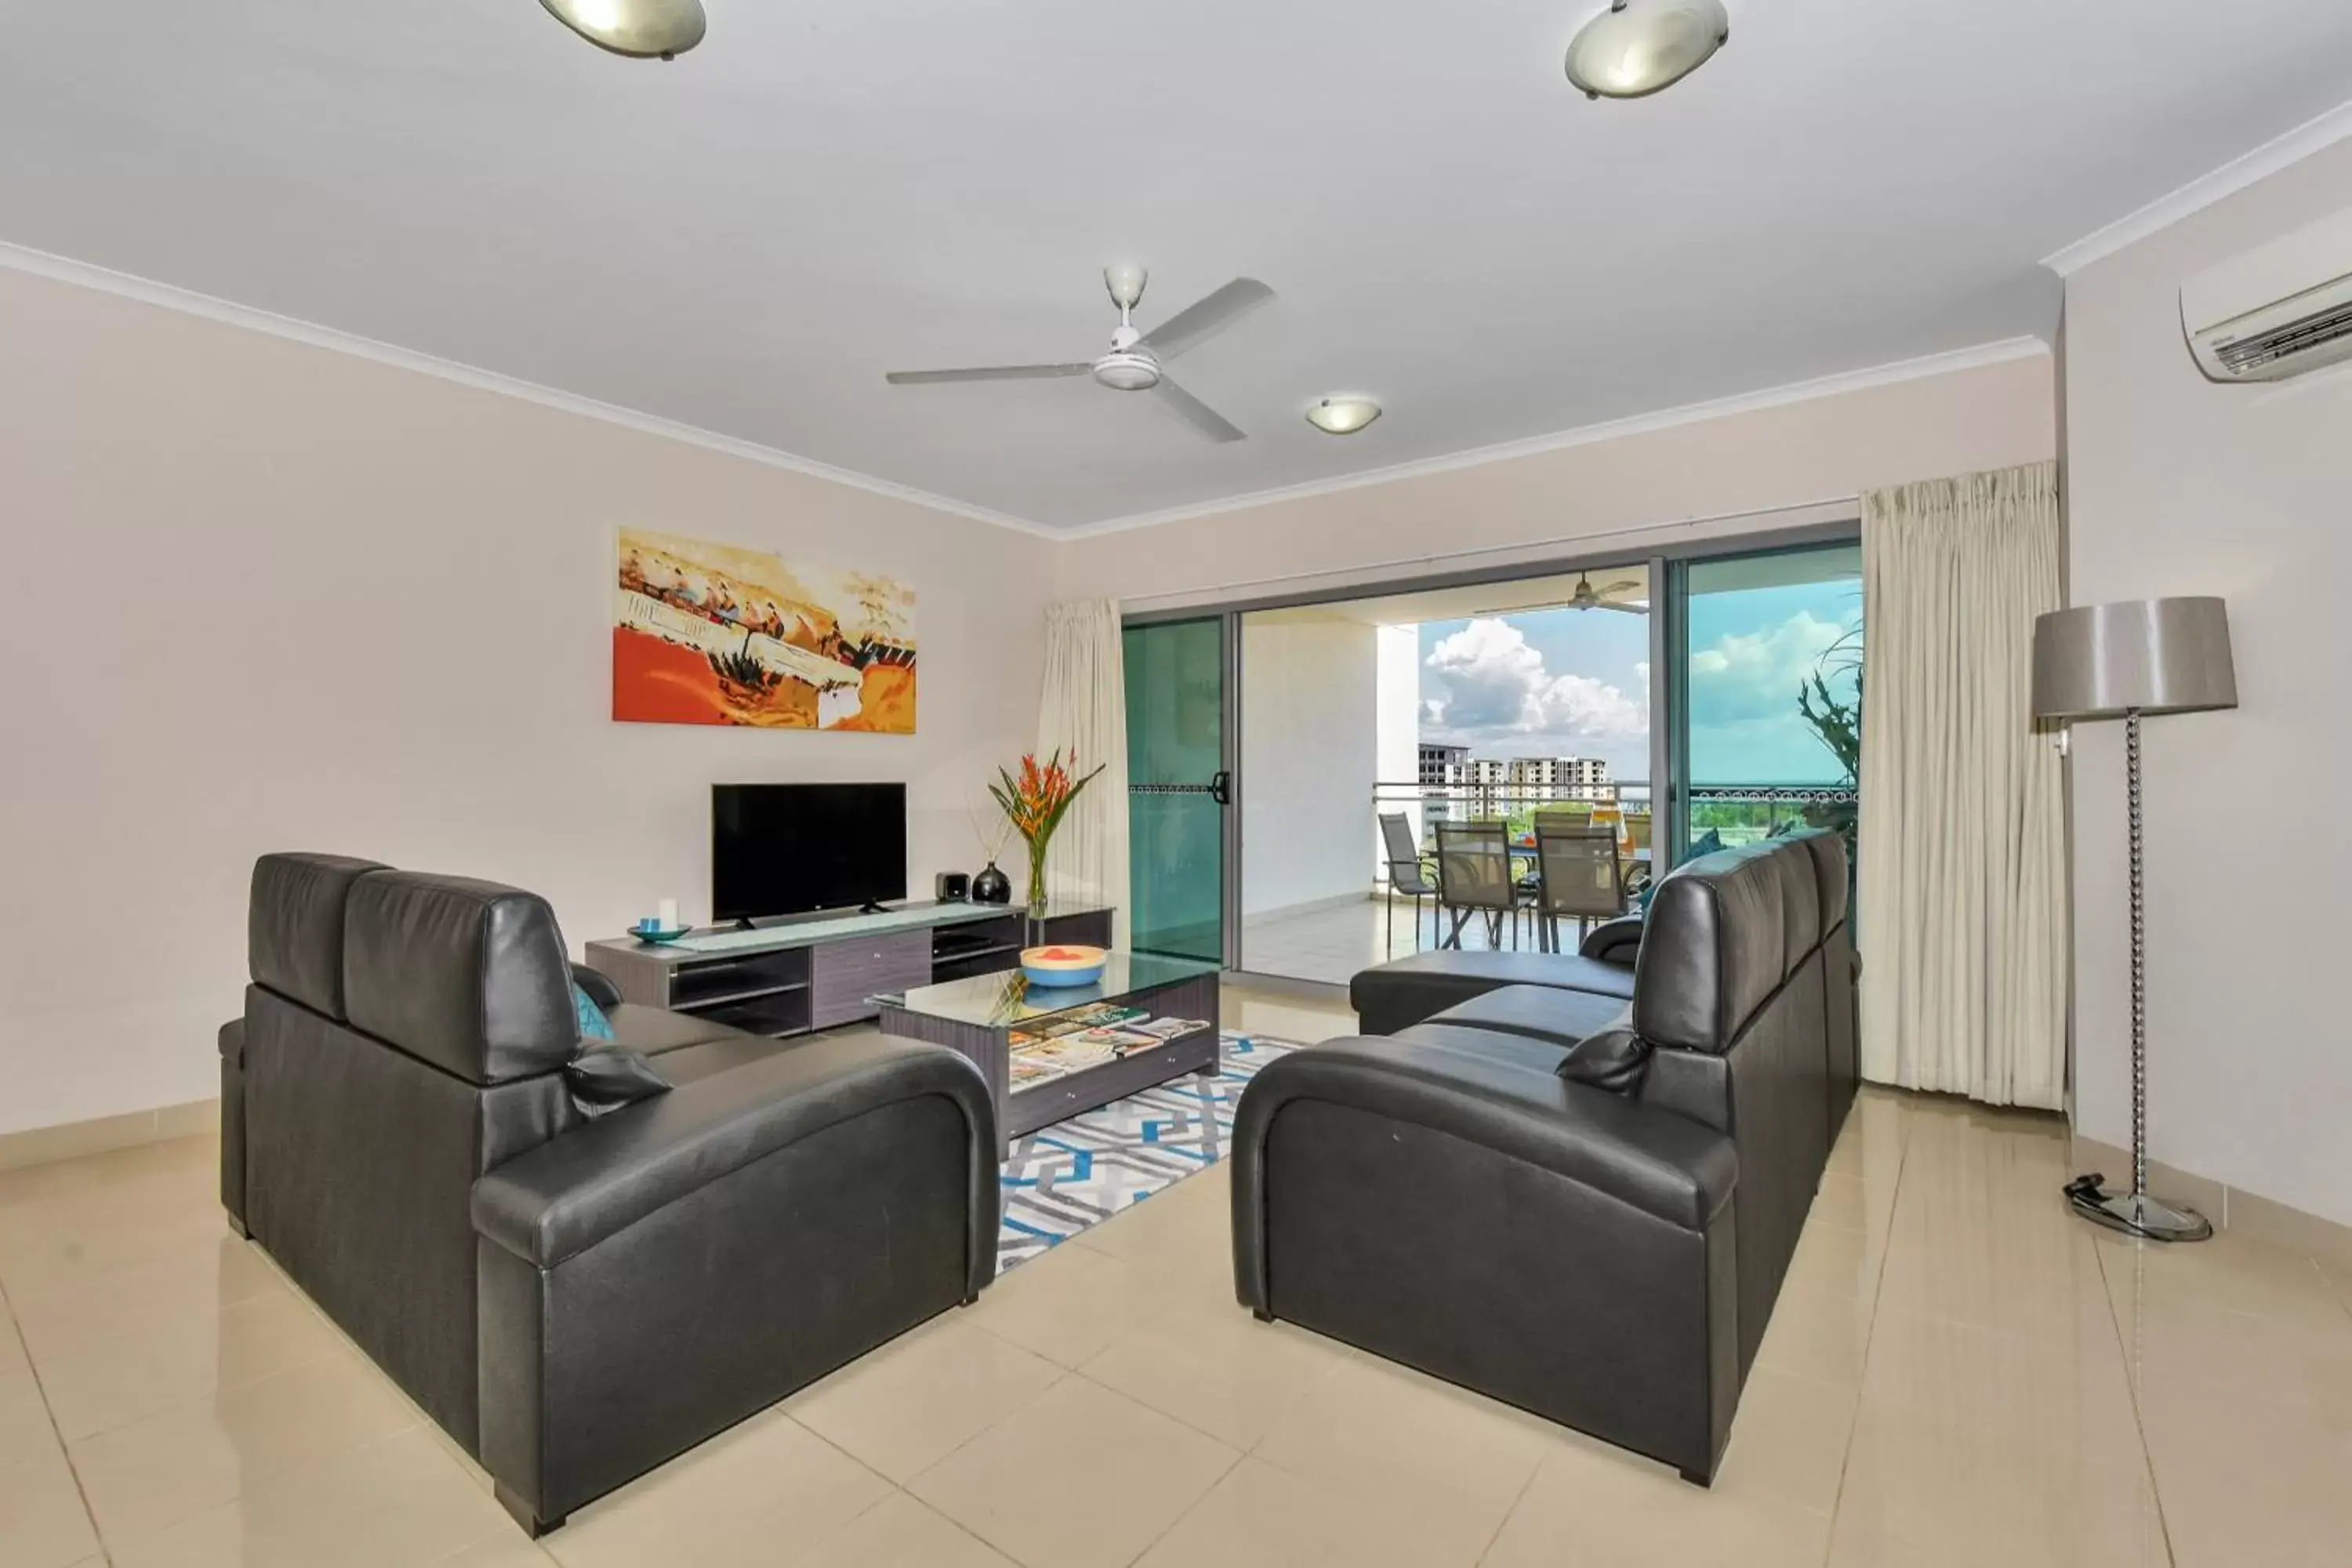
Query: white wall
point(1310, 749)
point(1810, 449)
point(1397, 728)
point(2178, 486)
point(262, 595)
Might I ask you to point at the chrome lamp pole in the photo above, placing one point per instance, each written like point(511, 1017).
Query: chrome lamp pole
point(2130, 661)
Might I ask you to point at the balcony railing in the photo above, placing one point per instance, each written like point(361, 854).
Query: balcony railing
point(1736, 813)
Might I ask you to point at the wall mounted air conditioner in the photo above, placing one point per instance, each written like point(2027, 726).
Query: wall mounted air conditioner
point(2278, 310)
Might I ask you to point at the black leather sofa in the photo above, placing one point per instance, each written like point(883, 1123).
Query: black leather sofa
point(1579, 1203)
point(576, 1271)
point(1391, 997)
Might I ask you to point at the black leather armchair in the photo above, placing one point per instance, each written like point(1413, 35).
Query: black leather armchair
point(1579, 1204)
point(576, 1292)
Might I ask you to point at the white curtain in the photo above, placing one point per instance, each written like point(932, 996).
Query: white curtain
point(1085, 715)
point(1962, 894)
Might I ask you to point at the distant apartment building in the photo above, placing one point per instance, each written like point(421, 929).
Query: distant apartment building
point(1538, 779)
point(1456, 784)
point(1440, 765)
point(1485, 786)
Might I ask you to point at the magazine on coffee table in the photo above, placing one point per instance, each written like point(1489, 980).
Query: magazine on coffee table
point(1025, 1070)
point(1168, 1028)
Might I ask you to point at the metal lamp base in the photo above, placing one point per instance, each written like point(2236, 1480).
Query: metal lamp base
point(2136, 1214)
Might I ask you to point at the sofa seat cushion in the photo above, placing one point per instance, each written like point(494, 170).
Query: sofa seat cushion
point(1391, 996)
point(1539, 1011)
point(656, 1031)
point(711, 1059)
point(1487, 1044)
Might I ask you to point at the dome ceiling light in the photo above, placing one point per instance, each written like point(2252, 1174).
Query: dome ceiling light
point(1640, 47)
point(1342, 416)
point(642, 30)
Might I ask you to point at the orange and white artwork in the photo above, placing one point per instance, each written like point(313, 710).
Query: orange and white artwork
point(718, 633)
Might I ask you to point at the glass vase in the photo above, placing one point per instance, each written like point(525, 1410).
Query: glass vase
point(1037, 878)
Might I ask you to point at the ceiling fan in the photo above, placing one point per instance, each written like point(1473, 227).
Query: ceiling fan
point(1588, 597)
point(1135, 357)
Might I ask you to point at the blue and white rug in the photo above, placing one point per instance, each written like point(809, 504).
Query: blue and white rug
point(1061, 1179)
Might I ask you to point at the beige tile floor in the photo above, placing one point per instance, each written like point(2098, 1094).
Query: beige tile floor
point(1958, 1375)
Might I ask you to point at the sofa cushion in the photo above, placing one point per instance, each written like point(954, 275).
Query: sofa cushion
point(656, 1031)
point(467, 975)
point(602, 1079)
point(1723, 933)
point(1542, 1012)
point(294, 926)
point(1487, 1044)
point(593, 1024)
point(1391, 997)
point(712, 1059)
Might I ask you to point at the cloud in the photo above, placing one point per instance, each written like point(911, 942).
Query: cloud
point(1487, 685)
point(1755, 675)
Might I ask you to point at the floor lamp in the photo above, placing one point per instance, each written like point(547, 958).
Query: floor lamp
point(2128, 662)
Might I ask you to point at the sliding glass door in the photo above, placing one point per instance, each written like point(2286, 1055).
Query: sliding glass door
point(1689, 702)
point(1766, 657)
point(1178, 788)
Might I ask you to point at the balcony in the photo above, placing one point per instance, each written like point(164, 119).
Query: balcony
point(1331, 941)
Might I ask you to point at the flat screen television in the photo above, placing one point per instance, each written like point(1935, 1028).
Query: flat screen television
point(789, 848)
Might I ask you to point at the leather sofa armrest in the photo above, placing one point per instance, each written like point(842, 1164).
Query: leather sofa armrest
point(598, 984)
point(1613, 942)
point(1662, 1163)
point(232, 1042)
point(560, 1199)
point(1652, 1161)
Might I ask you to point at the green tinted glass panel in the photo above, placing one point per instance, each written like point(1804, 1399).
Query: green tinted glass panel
point(1175, 736)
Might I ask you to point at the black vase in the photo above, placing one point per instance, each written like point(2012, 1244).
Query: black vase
point(992, 887)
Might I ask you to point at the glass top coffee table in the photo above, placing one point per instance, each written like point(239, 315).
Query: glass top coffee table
point(1050, 1052)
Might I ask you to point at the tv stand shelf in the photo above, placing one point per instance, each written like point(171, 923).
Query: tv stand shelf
point(789, 976)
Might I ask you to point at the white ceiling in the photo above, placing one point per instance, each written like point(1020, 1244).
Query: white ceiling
point(744, 240)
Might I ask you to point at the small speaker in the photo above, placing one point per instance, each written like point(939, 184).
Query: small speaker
point(953, 887)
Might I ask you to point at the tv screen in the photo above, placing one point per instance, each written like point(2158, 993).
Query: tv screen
point(786, 849)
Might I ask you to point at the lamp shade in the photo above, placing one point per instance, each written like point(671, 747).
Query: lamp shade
point(2147, 656)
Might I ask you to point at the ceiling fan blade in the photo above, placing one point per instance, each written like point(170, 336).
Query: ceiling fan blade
point(987, 373)
point(1197, 323)
point(1613, 605)
point(1196, 414)
point(1622, 586)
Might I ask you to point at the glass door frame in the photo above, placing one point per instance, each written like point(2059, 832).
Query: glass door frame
point(1670, 653)
point(1229, 752)
point(1667, 563)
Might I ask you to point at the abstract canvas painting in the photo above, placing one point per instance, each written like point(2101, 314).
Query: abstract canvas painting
point(717, 634)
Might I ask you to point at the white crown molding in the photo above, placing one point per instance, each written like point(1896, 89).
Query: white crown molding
point(187, 301)
point(65, 270)
point(2319, 132)
point(1843, 382)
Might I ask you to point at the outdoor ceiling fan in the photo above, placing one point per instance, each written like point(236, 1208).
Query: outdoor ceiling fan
point(1135, 357)
point(1588, 597)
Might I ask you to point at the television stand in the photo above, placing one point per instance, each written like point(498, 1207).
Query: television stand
point(792, 976)
point(870, 907)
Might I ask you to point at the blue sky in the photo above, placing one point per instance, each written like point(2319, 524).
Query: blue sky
point(1577, 683)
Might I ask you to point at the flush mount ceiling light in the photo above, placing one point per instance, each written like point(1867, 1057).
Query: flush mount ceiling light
point(642, 30)
point(1342, 416)
point(1640, 47)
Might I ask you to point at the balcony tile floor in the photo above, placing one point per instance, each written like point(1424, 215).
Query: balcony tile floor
point(1330, 942)
point(1958, 1375)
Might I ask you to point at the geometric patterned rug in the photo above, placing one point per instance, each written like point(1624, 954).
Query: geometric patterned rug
point(1063, 1178)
